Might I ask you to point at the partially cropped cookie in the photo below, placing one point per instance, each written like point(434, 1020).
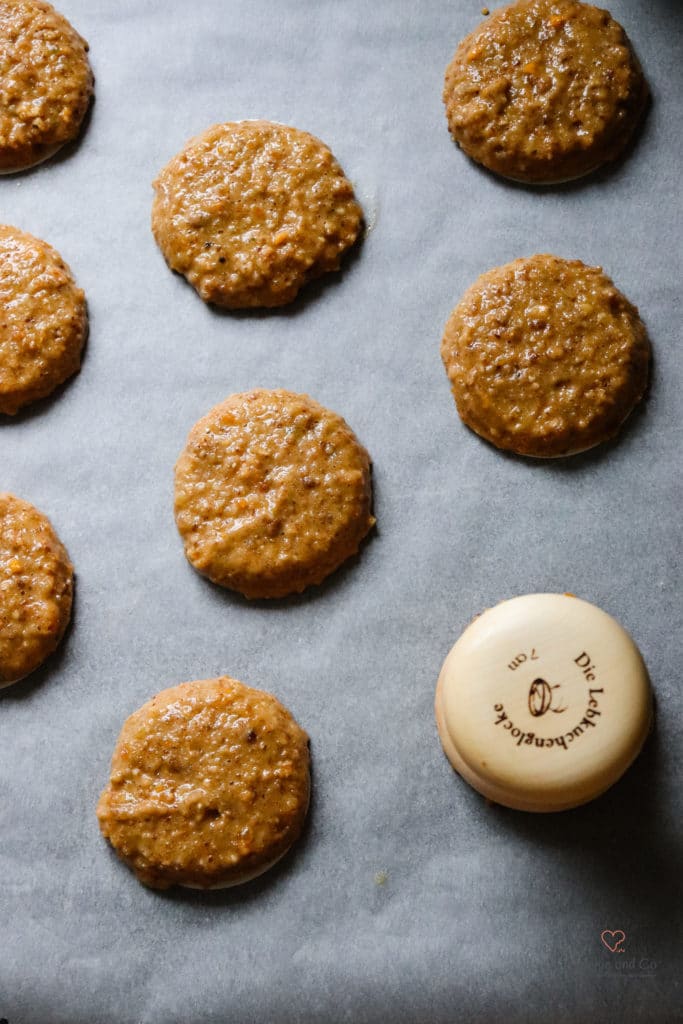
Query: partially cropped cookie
point(272, 493)
point(44, 320)
point(36, 585)
point(45, 81)
point(209, 786)
point(545, 91)
point(545, 356)
point(250, 211)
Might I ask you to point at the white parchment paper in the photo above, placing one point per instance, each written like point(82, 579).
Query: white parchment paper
point(409, 899)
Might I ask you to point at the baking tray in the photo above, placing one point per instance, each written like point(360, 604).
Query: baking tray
point(409, 898)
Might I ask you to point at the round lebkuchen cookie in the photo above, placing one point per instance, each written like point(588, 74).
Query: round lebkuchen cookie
point(45, 80)
point(272, 493)
point(545, 356)
point(545, 91)
point(36, 586)
point(44, 320)
point(209, 786)
point(250, 211)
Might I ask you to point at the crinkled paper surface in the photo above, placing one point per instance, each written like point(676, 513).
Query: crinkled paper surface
point(409, 899)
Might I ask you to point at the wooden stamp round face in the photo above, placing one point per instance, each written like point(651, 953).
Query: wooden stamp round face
point(543, 702)
point(209, 785)
point(44, 320)
point(545, 356)
point(272, 493)
point(544, 91)
point(36, 588)
point(250, 211)
point(45, 79)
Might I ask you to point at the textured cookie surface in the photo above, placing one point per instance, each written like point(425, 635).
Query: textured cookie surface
point(36, 584)
point(209, 785)
point(250, 211)
point(544, 90)
point(45, 79)
point(545, 357)
point(272, 493)
point(44, 321)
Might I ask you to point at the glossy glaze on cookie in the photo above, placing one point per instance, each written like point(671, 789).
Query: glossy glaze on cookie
point(272, 493)
point(545, 356)
point(250, 211)
point(44, 320)
point(46, 82)
point(36, 587)
point(209, 785)
point(544, 91)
